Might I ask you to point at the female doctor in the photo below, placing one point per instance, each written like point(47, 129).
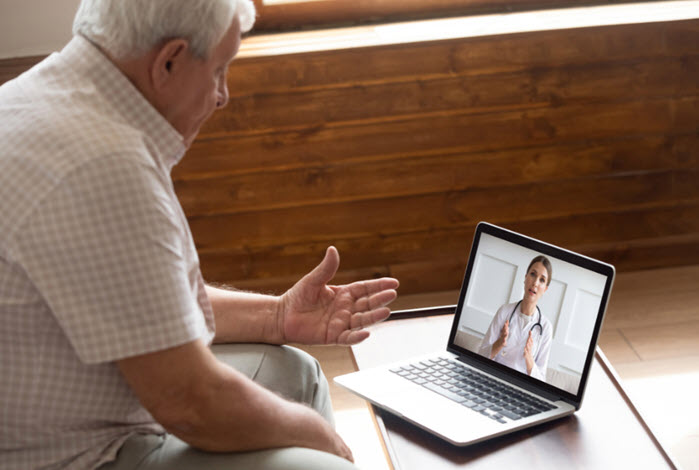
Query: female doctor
point(519, 336)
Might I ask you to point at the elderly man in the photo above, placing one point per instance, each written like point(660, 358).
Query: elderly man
point(105, 322)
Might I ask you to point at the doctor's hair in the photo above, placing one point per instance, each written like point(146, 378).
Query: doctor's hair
point(130, 28)
point(547, 264)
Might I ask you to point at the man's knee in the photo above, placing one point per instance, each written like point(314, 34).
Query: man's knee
point(285, 370)
point(292, 373)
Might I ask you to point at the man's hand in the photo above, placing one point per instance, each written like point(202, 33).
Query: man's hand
point(313, 312)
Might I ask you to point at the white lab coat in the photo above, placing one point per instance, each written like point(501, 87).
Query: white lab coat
point(512, 355)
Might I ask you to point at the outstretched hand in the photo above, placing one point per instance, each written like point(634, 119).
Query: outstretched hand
point(313, 312)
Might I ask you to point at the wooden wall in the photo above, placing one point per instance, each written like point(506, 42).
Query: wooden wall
point(587, 138)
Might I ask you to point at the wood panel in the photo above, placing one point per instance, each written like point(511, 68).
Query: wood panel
point(504, 203)
point(467, 56)
point(344, 181)
point(435, 259)
point(667, 77)
point(521, 202)
point(453, 131)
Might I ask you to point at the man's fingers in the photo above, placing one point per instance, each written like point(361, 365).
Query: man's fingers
point(366, 319)
point(367, 288)
point(380, 299)
point(350, 337)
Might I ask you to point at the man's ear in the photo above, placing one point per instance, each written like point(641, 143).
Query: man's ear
point(169, 59)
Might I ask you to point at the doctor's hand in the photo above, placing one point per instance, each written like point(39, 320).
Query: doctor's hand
point(501, 341)
point(313, 312)
point(528, 357)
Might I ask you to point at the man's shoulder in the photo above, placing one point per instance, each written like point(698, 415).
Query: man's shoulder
point(60, 129)
point(73, 107)
point(51, 110)
point(39, 151)
point(57, 121)
point(79, 152)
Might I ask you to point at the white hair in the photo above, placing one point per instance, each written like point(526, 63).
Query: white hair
point(129, 28)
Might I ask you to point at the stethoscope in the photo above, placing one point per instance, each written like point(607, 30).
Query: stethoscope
point(538, 323)
point(531, 329)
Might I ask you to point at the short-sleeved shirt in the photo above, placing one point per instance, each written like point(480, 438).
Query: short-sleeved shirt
point(97, 261)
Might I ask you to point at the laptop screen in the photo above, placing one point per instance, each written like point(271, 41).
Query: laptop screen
point(530, 307)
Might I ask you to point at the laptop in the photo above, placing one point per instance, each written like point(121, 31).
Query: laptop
point(484, 384)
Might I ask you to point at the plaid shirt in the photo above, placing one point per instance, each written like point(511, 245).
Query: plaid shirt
point(97, 262)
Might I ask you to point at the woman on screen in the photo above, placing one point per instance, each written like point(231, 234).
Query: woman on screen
point(519, 336)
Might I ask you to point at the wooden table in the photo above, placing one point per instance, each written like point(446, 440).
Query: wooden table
point(607, 432)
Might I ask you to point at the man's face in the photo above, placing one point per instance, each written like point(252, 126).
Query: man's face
point(201, 86)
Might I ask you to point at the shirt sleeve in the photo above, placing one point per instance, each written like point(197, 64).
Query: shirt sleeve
point(106, 251)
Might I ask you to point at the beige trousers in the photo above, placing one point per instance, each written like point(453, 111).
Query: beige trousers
point(285, 370)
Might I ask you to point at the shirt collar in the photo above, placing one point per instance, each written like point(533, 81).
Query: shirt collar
point(126, 100)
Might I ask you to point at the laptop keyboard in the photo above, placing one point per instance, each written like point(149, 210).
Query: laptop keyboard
point(473, 389)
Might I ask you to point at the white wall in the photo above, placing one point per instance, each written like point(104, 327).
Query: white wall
point(35, 27)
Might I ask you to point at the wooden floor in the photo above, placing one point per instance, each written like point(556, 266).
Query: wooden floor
point(650, 336)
